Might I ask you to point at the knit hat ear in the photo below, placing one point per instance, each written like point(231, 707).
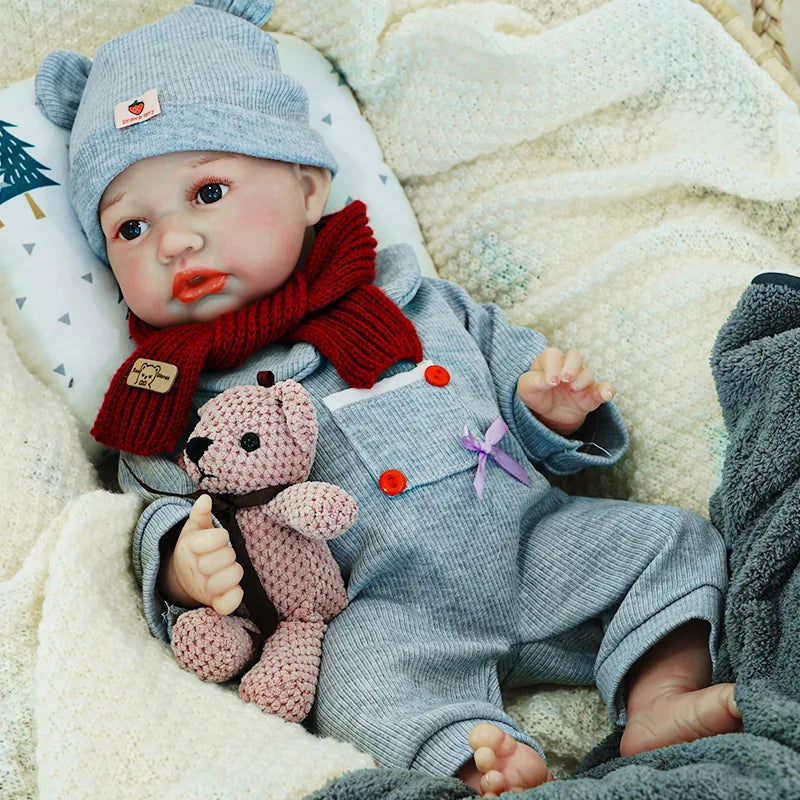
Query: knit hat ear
point(255, 11)
point(59, 85)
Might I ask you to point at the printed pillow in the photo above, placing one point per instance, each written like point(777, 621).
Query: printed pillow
point(62, 305)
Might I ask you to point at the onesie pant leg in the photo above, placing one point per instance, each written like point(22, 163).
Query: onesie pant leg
point(406, 691)
point(602, 581)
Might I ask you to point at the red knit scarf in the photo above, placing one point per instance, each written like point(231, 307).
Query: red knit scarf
point(329, 303)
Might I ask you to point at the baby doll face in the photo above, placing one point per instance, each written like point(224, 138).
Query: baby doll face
point(193, 235)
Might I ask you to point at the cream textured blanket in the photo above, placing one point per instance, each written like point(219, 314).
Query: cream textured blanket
point(612, 172)
point(92, 705)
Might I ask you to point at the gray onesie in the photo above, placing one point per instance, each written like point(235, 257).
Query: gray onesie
point(452, 594)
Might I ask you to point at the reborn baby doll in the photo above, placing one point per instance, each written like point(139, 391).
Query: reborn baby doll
point(466, 570)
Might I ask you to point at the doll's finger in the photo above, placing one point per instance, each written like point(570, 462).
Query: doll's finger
point(208, 540)
point(532, 381)
point(573, 362)
point(549, 361)
point(597, 394)
point(220, 582)
point(583, 380)
point(200, 515)
point(228, 602)
point(217, 560)
point(604, 391)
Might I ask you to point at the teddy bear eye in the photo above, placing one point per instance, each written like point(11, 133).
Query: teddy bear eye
point(250, 442)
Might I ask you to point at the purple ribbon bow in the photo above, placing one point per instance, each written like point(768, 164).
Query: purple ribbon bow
point(488, 447)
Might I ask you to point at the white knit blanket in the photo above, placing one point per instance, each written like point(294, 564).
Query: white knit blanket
point(92, 705)
point(611, 172)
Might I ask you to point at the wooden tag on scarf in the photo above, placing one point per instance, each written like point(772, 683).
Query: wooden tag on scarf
point(155, 376)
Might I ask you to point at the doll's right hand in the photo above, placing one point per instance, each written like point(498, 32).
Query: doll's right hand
point(203, 567)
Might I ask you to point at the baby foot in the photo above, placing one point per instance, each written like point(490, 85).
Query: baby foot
point(681, 717)
point(501, 763)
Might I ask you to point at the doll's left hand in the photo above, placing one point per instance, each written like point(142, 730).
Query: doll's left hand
point(560, 391)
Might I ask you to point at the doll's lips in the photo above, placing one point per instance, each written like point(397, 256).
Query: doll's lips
point(192, 284)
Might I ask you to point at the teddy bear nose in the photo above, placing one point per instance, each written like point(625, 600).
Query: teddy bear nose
point(196, 447)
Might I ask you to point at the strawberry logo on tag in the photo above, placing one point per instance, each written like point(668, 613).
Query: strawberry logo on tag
point(137, 109)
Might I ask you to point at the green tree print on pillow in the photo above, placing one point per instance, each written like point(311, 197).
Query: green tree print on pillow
point(19, 171)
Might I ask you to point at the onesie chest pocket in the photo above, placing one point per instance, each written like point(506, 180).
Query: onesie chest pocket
point(407, 428)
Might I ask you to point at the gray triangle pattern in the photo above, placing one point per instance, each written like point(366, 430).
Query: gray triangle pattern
point(327, 119)
point(29, 247)
point(88, 277)
point(21, 301)
point(60, 369)
point(65, 319)
point(383, 178)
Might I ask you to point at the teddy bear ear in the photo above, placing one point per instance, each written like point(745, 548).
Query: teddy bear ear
point(299, 412)
point(59, 85)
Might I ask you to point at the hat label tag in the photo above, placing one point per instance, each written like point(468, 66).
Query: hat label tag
point(137, 109)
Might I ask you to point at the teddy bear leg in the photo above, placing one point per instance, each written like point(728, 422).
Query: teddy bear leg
point(284, 680)
point(214, 647)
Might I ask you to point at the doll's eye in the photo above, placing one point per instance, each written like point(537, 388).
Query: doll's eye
point(133, 228)
point(211, 192)
point(250, 442)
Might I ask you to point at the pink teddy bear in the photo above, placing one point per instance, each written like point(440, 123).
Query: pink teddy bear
point(249, 438)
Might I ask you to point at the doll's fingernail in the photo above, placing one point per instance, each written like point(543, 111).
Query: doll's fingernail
point(607, 394)
point(554, 380)
point(566, 377)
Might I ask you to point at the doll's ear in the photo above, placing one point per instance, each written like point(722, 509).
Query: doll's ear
point(255, 11)
point(59, 85)
point(316, 185)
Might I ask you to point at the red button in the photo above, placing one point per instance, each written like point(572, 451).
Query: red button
point(392, 482)
point(437, 376)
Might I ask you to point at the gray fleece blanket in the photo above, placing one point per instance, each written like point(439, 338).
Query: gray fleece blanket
point(756, 365)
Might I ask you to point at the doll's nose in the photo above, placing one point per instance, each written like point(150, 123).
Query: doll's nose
point(196, 447)
point(177, 238)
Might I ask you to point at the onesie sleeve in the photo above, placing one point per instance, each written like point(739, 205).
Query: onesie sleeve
point(158, 526)
point(509, 351)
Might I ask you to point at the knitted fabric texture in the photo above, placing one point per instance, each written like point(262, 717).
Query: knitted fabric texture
point(329, 303)
point(265, 115)
point(252, 437)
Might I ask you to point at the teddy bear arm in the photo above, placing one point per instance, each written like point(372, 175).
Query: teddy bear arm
point(315, 509)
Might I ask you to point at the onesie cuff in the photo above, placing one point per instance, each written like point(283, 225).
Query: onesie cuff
point(447, 750)
point(704, 603)
point(157, 522)
point(599, 442)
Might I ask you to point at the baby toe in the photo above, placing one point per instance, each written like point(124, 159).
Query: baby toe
point(484, 734)
point(493, 783)
point(485, 759)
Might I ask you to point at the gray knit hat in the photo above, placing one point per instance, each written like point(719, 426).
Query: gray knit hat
point(219, 85)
